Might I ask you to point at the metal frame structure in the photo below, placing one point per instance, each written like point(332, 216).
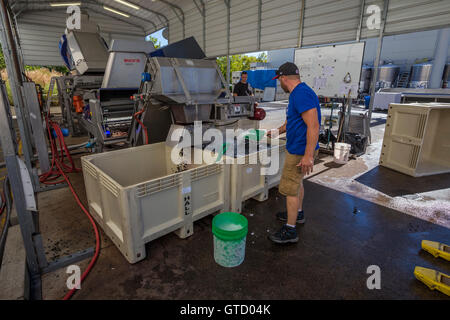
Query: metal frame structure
point(66, 86)
point(37, 262)
point(23, 185)
point(378, 57)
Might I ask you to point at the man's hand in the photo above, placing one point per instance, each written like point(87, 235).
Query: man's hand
point(306, 164)
point(272, 133)
point(276, 132)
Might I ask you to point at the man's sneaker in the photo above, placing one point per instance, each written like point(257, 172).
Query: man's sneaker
point(283, 217)
point(284, 235)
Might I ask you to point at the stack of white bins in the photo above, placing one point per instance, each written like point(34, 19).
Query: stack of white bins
point(137, 194)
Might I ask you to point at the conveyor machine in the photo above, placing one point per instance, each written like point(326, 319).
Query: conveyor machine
point(107, 117)
point(85, 54)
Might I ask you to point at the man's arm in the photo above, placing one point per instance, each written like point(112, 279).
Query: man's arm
point(282, 129)
point(312, 136)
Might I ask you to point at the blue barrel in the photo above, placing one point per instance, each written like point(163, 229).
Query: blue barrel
point(367, 101)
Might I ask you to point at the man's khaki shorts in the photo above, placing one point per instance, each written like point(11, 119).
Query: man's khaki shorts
point(292, 176)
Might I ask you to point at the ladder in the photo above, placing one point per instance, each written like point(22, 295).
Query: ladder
point(403, 80)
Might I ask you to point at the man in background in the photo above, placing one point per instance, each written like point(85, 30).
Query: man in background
point(243, 88)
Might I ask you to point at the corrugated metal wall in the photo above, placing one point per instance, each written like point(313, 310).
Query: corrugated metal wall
point(193, 25)
point(216, 28)
point(280, 24)
point(415, 15)
point(40, 31)
point(325, 21)
point(243, 26)
point(330, 21)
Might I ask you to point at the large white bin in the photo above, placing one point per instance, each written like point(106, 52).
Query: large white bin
point(136, 195)
point(416, 139)
point(247, 181)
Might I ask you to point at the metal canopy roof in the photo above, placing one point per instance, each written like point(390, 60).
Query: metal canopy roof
point(227, 26)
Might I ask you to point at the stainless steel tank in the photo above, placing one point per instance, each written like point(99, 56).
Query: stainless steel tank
point(446, 76)
point(420, 75)
point(366, 76)
point(387, 76)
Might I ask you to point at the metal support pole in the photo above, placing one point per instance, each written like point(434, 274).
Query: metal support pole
point(25, 217)
point(204, 25)
point(15, 74)
point(361, 18)
point(300, 27)
point(259, 23)
point(377, 59)
point(440, 58)
point(228, 5)
point(40, 141)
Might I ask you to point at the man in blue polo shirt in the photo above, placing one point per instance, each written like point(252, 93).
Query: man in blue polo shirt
point(302, 133)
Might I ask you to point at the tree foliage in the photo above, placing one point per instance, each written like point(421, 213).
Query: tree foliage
point(239, 62)
point(155, 41)
point(2, 59)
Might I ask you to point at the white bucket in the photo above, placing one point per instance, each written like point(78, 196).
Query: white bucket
point(341, 152)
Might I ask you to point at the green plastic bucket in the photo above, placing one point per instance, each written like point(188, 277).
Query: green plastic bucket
point(230, 233)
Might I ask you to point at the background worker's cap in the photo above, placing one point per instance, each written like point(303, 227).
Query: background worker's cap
point(287, 69)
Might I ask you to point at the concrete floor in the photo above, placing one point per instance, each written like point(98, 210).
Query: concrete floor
point(352, 223)
point(343, 236)
point(431, 204)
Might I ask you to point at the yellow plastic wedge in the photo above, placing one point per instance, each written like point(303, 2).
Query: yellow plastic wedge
point(437, 249)
point(433, 279)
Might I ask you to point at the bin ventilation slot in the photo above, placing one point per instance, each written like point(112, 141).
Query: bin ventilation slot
point(90, 169)
point(421, 125)
point(414, 157)
point(158, 185)
point(203, 172)
point(108, 184)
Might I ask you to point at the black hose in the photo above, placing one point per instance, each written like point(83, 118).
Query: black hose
point(8, 209)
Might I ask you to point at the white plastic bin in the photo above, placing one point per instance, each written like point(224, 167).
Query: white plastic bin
point(136, 195)
point(416, 139)
point(247, 180)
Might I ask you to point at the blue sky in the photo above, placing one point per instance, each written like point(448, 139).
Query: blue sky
point(163, 42)
point(158, 35)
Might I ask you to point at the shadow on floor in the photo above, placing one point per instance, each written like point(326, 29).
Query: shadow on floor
point(377, 122)
point(396, 184)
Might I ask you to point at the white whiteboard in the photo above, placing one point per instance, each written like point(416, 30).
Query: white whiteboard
point(325, 68)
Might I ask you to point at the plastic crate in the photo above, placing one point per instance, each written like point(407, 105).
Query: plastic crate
point(274, 180)
point(136, 195)
point(246, 180)
point(416, 139)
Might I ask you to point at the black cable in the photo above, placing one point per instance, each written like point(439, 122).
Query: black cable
point(8, 208)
